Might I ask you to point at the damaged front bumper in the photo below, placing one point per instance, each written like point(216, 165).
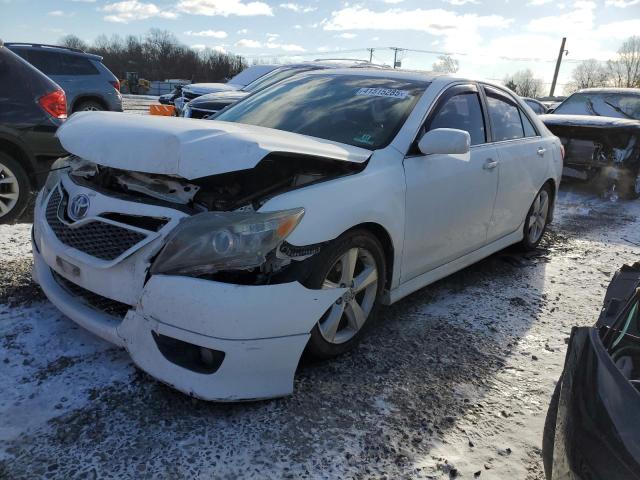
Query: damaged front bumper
point(210, 339)
point(260, 331)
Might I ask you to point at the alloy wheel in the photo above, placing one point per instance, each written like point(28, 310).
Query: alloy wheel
point(9, 190)
point(91, 108)
point(538, 217)
point(356, 271)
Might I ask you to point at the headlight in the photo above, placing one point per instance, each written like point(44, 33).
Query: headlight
point(213, 241)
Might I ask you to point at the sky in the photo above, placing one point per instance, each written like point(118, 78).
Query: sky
point(489, 38)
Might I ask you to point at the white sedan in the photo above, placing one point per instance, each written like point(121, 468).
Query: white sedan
point(218, 251)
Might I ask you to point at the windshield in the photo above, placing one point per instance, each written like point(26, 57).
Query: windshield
point(362, 111)
point(614, 104)
point(273, 78)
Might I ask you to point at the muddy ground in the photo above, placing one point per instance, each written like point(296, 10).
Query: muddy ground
point(453, 381)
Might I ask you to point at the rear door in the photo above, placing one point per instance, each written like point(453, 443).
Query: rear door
point(524, 158)
point(449, 199)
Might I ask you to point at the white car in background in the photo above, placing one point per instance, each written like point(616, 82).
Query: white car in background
point(217, 251)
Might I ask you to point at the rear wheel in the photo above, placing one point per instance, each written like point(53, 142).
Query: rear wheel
point(535, 223)
point(88, 106)
point(354, 261)
point(14, 189)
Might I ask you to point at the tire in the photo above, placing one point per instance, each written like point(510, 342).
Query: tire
point(549, 434)
point(346, 321)
point(88, 106)
point(539, 214)
point(15, 189)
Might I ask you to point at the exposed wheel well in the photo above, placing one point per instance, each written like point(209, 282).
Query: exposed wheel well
point(552, 183)
point(384, 238)
point(15, 151)
point(88, 98)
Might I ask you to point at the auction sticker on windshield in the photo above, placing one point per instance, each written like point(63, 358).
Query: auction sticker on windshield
point(383, 92)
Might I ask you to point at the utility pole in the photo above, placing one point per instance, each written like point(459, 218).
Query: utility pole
point(370, 54)
point(395, 56)
point(555, 74)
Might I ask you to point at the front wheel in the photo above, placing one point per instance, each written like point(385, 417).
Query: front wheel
point(14, 189)
point(354, 261)
point(535, 223)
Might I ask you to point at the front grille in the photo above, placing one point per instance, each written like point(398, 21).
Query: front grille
point(98, 239)
point(93, 300)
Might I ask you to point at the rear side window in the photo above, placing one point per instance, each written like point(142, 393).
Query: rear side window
point(505, 117)
point(463, 112)
point(529, 129)
point(77, 65)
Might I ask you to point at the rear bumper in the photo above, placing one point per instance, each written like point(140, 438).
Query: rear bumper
point(262, 330)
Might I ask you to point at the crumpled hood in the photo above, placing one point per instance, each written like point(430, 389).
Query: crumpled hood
point(189, 148)
point(592, 121)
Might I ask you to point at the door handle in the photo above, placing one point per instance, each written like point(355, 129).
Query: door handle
point(490, 164)
point(541, 151)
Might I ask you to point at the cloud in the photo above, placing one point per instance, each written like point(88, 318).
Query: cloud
point(577, 22)
point(131, 10)
point(207, 33)
point(619, 30)
point(287, 47)
point(242, 31)
point(621, 3)
point(461, 31)
point(462, 2)
point(393, 1)
point(198, 46)
point(536, 3)
point(201, 47)
point(297, 27)
point(295, 7)
point(56, 13)
point(346, 35)
point(224, 8)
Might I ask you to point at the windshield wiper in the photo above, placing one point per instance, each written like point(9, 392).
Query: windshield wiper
point(591, 107)
point(619, 110)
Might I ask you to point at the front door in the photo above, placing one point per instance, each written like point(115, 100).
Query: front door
point(450, 198)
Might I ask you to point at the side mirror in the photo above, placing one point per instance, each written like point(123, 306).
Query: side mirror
point(447, 141)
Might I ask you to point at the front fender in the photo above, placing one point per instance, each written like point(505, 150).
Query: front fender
point(375, 195)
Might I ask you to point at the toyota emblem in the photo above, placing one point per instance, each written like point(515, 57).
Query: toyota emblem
point(79, 207)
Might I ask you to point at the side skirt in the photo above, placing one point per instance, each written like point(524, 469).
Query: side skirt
point(436, 274)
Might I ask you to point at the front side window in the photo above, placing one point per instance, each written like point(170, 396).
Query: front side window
point(606, 104)
point(463, 112)
point(357, 110)
point(505, 117)
point(48, 62)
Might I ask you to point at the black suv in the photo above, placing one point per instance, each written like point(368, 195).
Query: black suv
point(32, 107)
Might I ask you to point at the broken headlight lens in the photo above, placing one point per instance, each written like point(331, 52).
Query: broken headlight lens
point(213, 241)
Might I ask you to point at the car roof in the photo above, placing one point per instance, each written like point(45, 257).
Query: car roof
point(43, 46)
point(390, 73)
point(633, 91)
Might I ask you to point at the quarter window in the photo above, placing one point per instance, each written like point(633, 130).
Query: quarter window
point(505, 118)
point(529, 129)
point(463, 112)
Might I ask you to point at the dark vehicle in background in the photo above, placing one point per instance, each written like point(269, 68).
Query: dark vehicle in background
point(32, 107)
point(207, 105)
point(537, 106)
point(245, 77)
point(592, 430)
point(88, 84)
point(169, 98)
point(600, 131)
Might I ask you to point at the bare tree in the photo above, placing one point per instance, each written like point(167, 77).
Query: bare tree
point(446, 64)
point(71, 41)
point(159, 55)
point(624, 70)
point(524, 83)
point(588, 74)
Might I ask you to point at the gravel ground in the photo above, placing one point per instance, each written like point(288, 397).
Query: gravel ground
point(453, 381)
